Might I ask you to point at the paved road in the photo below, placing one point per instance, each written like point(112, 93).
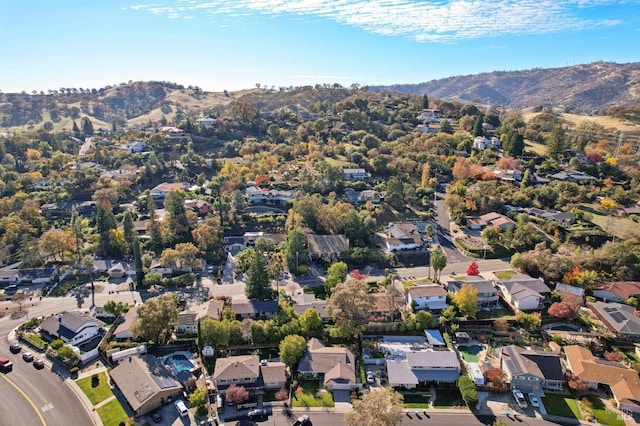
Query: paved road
point(443, 235)
point(435, 418)
point(33, 397)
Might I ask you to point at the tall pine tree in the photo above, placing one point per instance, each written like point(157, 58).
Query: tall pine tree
point(258, 281)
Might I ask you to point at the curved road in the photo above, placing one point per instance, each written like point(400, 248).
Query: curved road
point(31, 397)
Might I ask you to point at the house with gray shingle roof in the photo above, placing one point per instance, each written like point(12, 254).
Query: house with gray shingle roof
point(73, 328)
point(524, 292)
point(618, 318)
point(145, 383)
point(530, 370)
point(335, 366)
point(248, 371)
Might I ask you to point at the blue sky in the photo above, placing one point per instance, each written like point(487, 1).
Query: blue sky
point(234, 44)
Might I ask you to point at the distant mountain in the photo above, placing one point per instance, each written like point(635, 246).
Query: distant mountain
point(584, 88)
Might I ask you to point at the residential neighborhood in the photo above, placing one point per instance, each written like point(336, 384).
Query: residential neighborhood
point(267, 263)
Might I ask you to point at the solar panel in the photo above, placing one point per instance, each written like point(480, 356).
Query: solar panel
point(618, 317)
point(609, 310)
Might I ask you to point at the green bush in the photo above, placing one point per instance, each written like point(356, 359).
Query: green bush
point(57, 344)
point(468, 391)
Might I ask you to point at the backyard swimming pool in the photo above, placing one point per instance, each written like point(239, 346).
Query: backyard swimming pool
point(179, 363)
point(470, 353)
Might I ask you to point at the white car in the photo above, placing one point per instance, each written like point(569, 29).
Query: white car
point(535, 402)
point(370, 378)
point(522, 403)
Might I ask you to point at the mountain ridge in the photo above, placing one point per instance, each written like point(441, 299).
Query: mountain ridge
point(583, 88)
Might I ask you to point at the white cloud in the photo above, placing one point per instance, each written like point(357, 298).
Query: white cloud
point(434, 21)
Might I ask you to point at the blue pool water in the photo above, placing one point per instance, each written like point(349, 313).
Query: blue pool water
point(179, 362)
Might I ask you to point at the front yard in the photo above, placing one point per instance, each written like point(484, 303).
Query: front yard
point(111, 413)
point(587, 408)
point(309, 394)
point(416, 399)
point(447, 398)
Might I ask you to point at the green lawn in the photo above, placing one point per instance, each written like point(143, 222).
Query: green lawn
point(416, 400)
point(505, 275)
point(35, 338)
point(95, 394)
point(311, 396)
point(495, 313)
point(112, 413)
point(602, 415)
point(622, 227)
point(447, 398)
point(561, 405)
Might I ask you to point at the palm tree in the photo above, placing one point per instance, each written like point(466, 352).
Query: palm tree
point(438, 261)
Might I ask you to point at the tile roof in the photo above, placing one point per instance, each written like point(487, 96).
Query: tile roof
point(623, 289)
point(327, 244)
point(624, 382)
point(129, 318)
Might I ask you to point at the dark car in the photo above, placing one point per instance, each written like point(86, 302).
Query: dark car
point(38, 363)
point(27, 356)
point(157, 417)
point(257, 413)
point(15, 348)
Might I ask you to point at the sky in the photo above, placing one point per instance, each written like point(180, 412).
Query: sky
point(236, 44)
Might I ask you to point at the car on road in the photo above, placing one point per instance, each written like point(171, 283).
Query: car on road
point(535, 402)
point(157, 417)
point(257, 413)
point(519, 397)
point(38, 363)
point(6, 365)
point(27, 356)
point(370, 377)
point(302, 420)
point(15, 348)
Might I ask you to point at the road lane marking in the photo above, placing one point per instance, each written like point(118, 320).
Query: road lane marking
point(47, 407)
point(27, 398)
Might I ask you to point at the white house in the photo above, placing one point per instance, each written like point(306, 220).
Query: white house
point(256, 194)
point(355, 174)
point(402, 236)
point(73, 328)
point(523, 292)
point(206, 122)
point(133, 147)
point(430, 296)
point(423, 366)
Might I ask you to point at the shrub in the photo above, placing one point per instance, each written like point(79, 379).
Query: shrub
point(57, 344)
point(468, 391)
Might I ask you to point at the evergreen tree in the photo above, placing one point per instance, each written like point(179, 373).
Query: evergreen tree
point(478, 130)
point(258, 281)
point(556, 143)
point(87, 127)
point(513, 143)
point(105, 223)
point(137, 259)
point(75, 129)
point(425, 101)
point(153, 227)
point(178, 229)
point(128, 229)
point(445, 127)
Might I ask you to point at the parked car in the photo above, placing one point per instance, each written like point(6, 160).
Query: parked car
point(257, 413)
point(27, 356)
point(535, 402)
point(302, 420)
point(370, 377)
point(522, 403)
point(6, 365)
point(38, 363)
point(15, 348)
point(157, 417)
